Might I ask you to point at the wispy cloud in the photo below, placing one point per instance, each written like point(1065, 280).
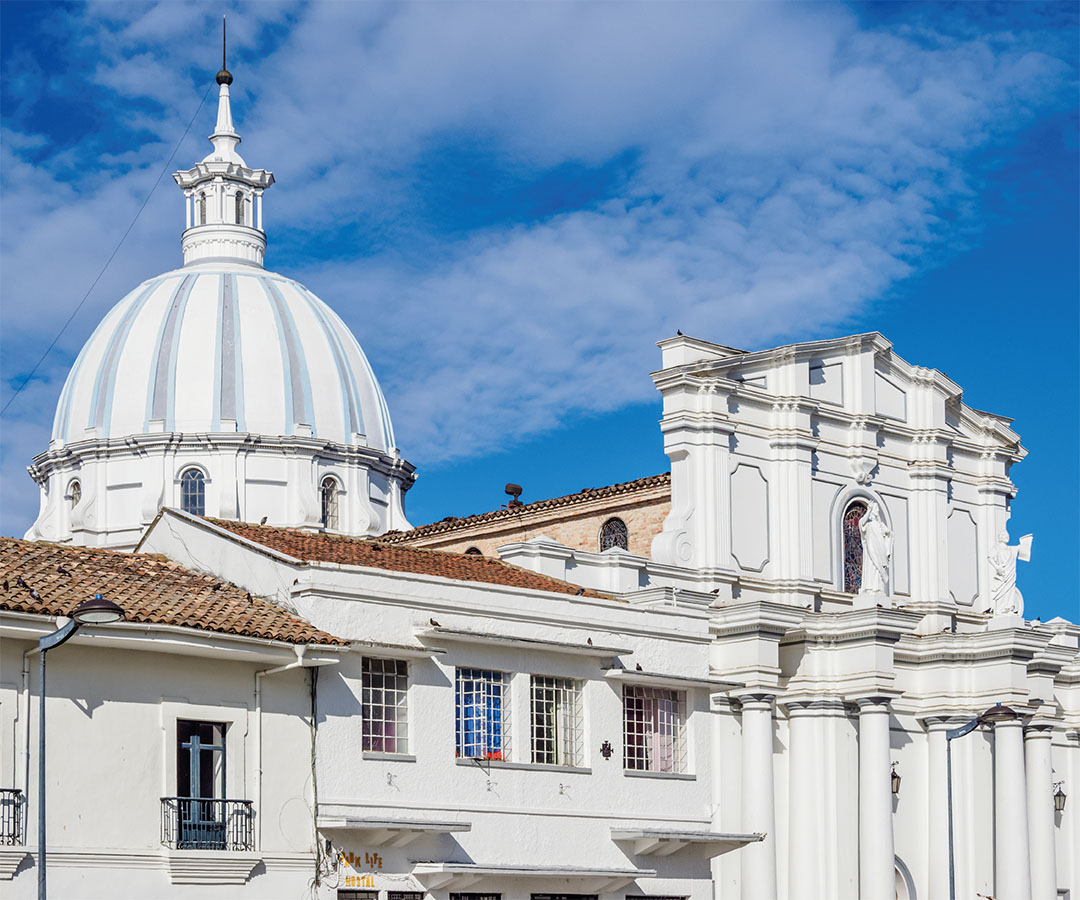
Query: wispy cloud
point(750, 173)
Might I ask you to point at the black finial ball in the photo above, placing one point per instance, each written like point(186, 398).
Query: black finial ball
point(224, 77)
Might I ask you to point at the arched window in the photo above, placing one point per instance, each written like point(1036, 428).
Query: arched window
point(474, 551)
point(329, 493)
point(76, 494)
point(239, 208)
point(193, 492)
point(202, 208)
point(853, 546)
point(614, 534)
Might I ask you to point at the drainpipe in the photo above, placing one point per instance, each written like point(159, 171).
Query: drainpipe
point(300, 662)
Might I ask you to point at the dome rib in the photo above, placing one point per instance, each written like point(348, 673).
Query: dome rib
point(297, 380)
point(106, 373)
point(353, 422)
point(163, 397)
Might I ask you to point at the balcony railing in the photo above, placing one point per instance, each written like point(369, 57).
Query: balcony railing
point(196, 823)
point(11, 816)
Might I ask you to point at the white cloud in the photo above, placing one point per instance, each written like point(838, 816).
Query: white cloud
point(786, 167)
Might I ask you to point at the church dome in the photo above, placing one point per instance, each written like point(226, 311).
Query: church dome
point(220, 389)
point(223, 347)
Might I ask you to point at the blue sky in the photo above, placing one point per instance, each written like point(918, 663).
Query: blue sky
point(510, 203)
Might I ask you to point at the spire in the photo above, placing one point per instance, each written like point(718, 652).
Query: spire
point(224, 137)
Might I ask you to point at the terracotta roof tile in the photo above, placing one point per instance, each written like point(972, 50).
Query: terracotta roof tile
point(453, 523)
point(373, 553)
point(150, 588)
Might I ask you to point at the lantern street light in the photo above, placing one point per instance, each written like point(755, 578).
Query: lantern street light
point(894, 780)
point(991, 717)
point(1059, 797)
point(97, 611)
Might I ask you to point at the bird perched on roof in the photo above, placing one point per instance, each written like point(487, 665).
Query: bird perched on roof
point(638, 667)
point(35, 594)
point(580, 592)
point(5, 584)
point(62, 570)
point(216, 587)
point(19, 581)
point(588, 641)
point(433, 622)
point(262, 521)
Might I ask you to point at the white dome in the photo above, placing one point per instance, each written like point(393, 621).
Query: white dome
point(223, 347)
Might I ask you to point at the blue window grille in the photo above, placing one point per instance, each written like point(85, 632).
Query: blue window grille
point(193, 492)
point(482, 714)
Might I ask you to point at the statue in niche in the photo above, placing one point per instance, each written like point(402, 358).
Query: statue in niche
point(1005, 596)
point(877, 551)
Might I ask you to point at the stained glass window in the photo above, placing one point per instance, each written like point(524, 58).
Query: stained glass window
point(614, 534)
point(329, 493)
point(193, 492)
point(853, 546)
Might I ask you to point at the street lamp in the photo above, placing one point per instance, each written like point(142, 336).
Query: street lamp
point(991, 717)
point(97, 611)
point(1059, 797)
point(894, 780)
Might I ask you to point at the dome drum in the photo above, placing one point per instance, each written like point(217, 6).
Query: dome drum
point(202, 243)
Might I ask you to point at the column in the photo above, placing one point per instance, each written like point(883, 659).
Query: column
point(1040, 805)
point(937, 828)
point(804, 839)
point(877, 866)
point(258, 200)
point(1012, 873)
point(758, 861)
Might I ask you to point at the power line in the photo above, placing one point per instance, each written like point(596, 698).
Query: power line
point(116, 250)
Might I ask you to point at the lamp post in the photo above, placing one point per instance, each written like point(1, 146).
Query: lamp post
point(994, 714)
point(98, 611)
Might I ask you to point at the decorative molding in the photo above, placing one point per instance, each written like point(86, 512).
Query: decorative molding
point(209, 866)
point(10, 860)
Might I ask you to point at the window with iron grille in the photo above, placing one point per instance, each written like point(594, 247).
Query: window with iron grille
point(384, 705)
point(654, 729)
point(193, 492)
point(563, 897)
point(556, 721)
point(404, 895)
point(614, 534)
point(473, 896)
point(654, 897)
point(329, 496)
point(483, 714)
point(359, 895)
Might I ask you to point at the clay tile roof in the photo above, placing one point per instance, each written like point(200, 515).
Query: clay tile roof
point(333, 548)
point(452, 523)
point(150, 588)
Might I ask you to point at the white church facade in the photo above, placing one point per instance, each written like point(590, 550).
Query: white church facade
point(744, 679)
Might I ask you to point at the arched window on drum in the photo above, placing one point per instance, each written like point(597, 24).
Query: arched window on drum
point(75, 494)
point(329, 494)
point(239, 207)
point(853, 549)
point(193, 492)
point(614, 534)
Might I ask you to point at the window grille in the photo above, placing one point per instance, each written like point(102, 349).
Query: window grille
point(563, 897)
point(202, 209)
point(404, 895)
point(654, 897)
point(384, 705)
point(476, 896)
point(193, 492)
point(329, 492)
point(359, 895)
point(556, 721)
point(853, 551)
point(474, 551)
point(654, 729)
point(614, 534)
point(76, 494)
point(239, 208)
point(483, 714)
